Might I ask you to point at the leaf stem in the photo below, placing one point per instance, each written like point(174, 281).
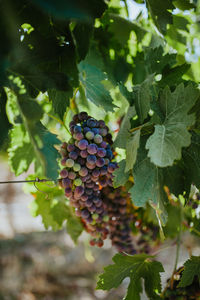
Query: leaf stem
point(139, 127)
point(59, 121)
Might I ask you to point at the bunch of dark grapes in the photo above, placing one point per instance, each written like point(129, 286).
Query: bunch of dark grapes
point(88, 167)
point(117, 204)
point(173, 292)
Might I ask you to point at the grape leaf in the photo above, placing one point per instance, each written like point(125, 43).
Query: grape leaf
point(148, 184)
point(91, 77)
point(4, 123)
point(60, 100)
point(44, 204)
point(51, 204)
point(191, 269)
point(82, 34)
point(20, 152)
point(131, 150)
point(135, 267)
point(120, 177)
point(166, 142)
point(142, 97)
point(124, 133)
point(160, 13)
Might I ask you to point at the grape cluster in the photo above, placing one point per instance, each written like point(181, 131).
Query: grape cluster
point(117, 204)
point(88, 167)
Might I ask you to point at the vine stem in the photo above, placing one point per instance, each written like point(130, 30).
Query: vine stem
point(34, 181)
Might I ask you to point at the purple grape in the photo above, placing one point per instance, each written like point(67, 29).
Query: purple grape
point(83, 116)
point(90, 166)
point(88, 202)
point(100, 162)
point(95, 173)
point(79, 190)
point(91, 123)
point(84, 153)
point(89, 135)
point(85, 213)
point(73, 155)
point(83, 144)
point(63, 173)
point(63, 162)
point(101, 152)
point(95, 131)
point(91, 159)
point(68, 192)
point(72, 175)
point(104, 170)
point(78, 136)
point(84, 197)
point(101, 123)
point(111, 167)
point(66, 182)
point(77, 129)
point(103, 131)
point(92, 149)
point(92, 208)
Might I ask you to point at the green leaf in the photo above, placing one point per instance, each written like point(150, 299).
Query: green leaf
point(121, 28)
point(135, 267)
point(142, 97)
point(50, 204)
point(160, 13)
point(46, 153)
point(156, 61)
point(191, 269)
point(4, 122)
point(92, 79)
point(30, 108)
point(124, 133)
point(60, 100)
point(120, 176)
point(148, 184)
point(20, 152)
point(183, 4)
point(131, 150)
point(82, 33)
point(166, 142)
